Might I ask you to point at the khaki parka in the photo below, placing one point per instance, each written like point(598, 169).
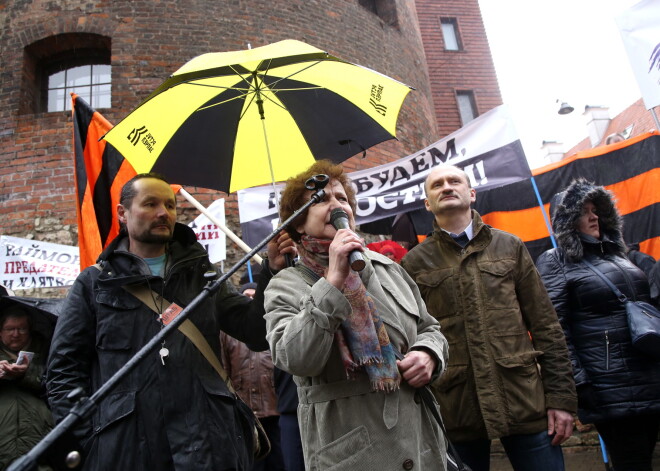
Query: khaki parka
point(343, 424)
point(508, 358)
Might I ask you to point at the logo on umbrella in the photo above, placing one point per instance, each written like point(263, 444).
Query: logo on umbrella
point(376, 94)
point(135, 135)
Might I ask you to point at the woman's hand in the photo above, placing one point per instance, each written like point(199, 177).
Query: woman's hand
point(417, 367)
point(344, 242)
point(277, 248)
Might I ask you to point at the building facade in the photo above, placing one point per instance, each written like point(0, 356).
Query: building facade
point(123, 50)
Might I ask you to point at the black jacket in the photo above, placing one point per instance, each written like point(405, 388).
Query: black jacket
point(612, 378)
point(178, 416)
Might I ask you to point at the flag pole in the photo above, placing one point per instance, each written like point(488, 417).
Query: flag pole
point(222, 227)
point(545, 216)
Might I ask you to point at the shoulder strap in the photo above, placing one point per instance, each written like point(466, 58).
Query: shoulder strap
point(187, 328)
point(622, 297)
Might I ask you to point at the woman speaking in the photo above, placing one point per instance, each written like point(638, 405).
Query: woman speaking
point(357, 343)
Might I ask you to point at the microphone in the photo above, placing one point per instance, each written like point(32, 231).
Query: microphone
point(339, 219)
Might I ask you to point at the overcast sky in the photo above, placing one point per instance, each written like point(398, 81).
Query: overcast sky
point(569, 50)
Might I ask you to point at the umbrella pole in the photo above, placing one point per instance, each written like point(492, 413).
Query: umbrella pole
point(260, 106)
point(86, 406)
point(246, 248)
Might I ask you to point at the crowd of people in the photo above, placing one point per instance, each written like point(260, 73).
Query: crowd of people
point(328, 364)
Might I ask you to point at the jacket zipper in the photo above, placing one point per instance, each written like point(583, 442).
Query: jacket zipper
point(607, 350)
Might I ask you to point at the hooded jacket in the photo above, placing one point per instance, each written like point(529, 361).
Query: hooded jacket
point(489, 298)
point(613, 379)
point(178, 415)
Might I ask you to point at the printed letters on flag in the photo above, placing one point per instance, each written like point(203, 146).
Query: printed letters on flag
point(100, 173)
point(487, 148)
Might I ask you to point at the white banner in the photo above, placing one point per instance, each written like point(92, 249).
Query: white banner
point(640, 27)
point(26, 264)
point(210, 235)
point(487, 148)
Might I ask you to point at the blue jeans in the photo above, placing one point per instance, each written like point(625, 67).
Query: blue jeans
point(530, 452)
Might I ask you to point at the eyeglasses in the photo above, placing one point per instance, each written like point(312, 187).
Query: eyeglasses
point(21, 330)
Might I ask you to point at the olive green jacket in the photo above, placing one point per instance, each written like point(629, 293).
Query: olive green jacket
point(508, 360)
point(24, 417)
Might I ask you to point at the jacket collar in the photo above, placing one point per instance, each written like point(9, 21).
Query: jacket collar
point(481, 238)
point(119, 266)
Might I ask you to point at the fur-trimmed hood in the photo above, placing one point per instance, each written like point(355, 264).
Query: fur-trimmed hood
point(567, 210)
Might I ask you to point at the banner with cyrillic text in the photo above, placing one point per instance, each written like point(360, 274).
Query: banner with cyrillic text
point(210, 235)
point(487, 148)
point(27, 264)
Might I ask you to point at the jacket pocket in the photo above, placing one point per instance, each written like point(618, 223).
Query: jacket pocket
point(453, 376)
point(522, 387)
point(114, 408)
point(115, 319)
point(349, 452)
point(498, 284)
point(439, 291)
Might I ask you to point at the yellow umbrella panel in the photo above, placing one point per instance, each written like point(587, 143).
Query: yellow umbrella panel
point(228, 131)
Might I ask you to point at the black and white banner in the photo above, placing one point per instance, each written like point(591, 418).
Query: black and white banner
point(488, 149)
point(26, 264)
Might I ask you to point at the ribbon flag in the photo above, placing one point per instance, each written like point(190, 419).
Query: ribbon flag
point(509, 196)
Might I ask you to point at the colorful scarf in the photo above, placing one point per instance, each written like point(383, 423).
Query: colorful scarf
point(362, 338)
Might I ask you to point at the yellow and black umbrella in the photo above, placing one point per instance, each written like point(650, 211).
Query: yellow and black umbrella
point(234, 120)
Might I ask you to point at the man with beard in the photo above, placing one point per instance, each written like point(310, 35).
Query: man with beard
point(508, 376)
point(173, 411)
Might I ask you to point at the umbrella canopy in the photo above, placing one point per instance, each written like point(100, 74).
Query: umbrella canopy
point(43, 312)
point(234, 120)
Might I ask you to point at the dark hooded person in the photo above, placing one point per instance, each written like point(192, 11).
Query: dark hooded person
point(618, 387)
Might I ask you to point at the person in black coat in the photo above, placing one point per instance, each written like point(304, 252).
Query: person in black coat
point(618, 387)
point(173, 411)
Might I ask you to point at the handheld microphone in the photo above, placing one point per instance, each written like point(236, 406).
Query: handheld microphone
point(339, 219)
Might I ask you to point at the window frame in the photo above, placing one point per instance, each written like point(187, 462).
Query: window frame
point(453, 22)
point(469, 94)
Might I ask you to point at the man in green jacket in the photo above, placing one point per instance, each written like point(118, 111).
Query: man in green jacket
point(509, 375)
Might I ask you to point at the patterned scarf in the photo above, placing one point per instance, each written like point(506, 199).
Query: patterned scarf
point(362, 338)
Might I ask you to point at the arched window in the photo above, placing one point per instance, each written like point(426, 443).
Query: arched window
point(91, 82)
point(58, 65)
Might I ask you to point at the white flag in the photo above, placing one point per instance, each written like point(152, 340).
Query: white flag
point(210, 235)
point(640, 31)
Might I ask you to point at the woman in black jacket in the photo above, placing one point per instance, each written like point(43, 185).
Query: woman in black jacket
point(618, 387)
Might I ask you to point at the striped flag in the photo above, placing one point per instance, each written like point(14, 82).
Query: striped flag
point(100, 172)
point(629, 169)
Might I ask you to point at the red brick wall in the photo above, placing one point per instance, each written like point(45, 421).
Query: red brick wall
point(468, 69)
point(149, 40)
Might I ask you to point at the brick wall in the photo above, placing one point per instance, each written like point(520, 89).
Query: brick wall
point(468, 69)
point(151, 39)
